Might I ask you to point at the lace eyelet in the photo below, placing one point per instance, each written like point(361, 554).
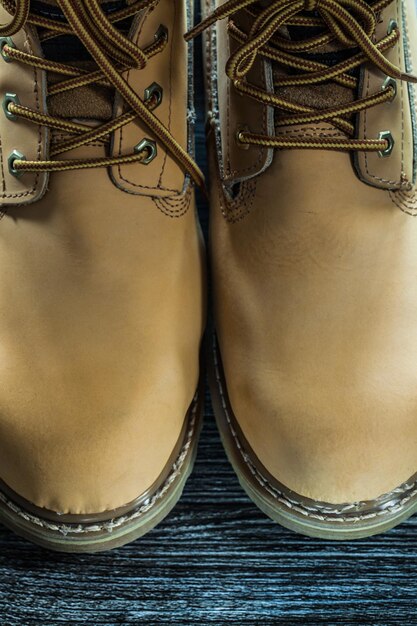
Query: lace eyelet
point(10, 98)
point(161, 33)
point(393, 25)
point(156, 91)
point(239, 133)
point(390, 82)
point(150, 146)
point(386, 135)
point(15, 156)
point(6, 41)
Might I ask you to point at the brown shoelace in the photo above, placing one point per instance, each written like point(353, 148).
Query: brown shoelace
point(350, 24)
point(113, 53)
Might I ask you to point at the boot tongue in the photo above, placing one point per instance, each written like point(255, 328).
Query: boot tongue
point(90, 102)
point(319, 96)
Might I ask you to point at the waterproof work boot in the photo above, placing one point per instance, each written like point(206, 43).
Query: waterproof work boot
point(312, 134)
point(102, 297)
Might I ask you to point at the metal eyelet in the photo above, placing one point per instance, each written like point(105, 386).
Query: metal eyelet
point(161, 33)
point(393, 25)
point(156, 91)
point(239, 131)
point(6, 41)
point(390, 82)
point(15, 156)
point(10, 98)
point(386, 135)
point(150, 146)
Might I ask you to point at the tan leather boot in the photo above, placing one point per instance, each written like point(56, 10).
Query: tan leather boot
point(313, 136)
point(102, 296)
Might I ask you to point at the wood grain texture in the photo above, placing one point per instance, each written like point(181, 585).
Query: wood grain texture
point(215, 560)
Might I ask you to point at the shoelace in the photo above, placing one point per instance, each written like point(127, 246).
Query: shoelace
point(348, 23)
point(113, 53)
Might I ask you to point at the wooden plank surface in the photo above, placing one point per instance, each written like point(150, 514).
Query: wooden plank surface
point(215, 560)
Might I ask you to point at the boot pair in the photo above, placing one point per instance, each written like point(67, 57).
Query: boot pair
point(312, 137)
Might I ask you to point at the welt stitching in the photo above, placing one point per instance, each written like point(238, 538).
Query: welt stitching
point(110, 525)
point(315, 512)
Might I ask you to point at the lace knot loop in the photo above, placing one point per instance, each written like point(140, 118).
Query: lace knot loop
point(112, 52)
point(311, 5)
point(348, 25)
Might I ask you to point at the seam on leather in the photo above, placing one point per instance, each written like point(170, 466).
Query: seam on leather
point(3, 179)
point(379, 178)
point(33, 190)
point(170, 92)
point(190, 122)
point(322, 513)
point(411, 87)
point(405, 200)
point(212, 72)
point(310, 131)
point(228, 90)
point(112, 524)
point(235, 209)
point(119, 167)
point(175, 206)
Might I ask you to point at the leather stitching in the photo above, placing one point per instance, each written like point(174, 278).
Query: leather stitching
point(119, 168)
point(175, 206)
point(263, 118)
point(310, 131)
point(33, 190)
point(378, 178)
point(411, 89)
point(3, 179)
point(405, 200)
point(333, 513)
point(234, 210)
point(69, 529)
point(170, 92)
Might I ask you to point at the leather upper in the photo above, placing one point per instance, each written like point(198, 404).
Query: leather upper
point(315, 290)
point(172, 71)
point(30, 87)
point(397, 171)
point(101, 317)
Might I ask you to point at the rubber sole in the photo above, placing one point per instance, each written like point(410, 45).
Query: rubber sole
point(346, 521)
point(116, 531)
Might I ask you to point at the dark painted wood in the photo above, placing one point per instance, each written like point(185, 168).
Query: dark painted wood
point(215, 560)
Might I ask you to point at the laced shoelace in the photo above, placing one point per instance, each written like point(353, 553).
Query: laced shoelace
point(347, 23)
point(112, 53)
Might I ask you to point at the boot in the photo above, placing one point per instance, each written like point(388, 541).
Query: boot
point(102, 296)
point(313, 134)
